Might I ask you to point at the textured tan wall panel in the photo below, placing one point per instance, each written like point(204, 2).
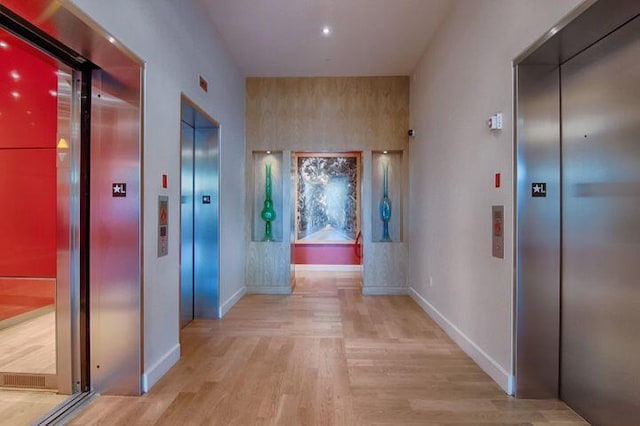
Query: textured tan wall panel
point(327, 113)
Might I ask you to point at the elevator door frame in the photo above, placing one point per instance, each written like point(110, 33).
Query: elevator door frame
point(205, 302)
point(111, 301)
point(537, 338)
point(72, 203)
point(187, 142)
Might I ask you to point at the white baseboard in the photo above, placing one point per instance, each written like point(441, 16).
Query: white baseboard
point(488, 364)
point(329, 268)
point(160, 368)
point(226, 306)
point(385, 291)
point(283, 290)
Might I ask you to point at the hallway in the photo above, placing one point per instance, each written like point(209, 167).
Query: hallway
point(324, 356)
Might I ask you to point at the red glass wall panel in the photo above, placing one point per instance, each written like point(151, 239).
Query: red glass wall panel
point(27, 214)
point(28, 101)
point(28, 126)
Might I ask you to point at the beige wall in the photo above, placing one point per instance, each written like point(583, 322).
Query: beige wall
point(164, 36)
point(464, 77)
point(327, 113)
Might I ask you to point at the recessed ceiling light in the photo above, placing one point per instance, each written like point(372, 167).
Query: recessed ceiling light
point(326, 31)
point(15, 95)
point(4, 45)
point(111, 40)
point(53, 93)
point(14, 75)
point(385, 152)
point(268, 152)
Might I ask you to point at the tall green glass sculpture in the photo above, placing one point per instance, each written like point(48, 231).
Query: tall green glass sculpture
point(385, 206)
point(268, 214)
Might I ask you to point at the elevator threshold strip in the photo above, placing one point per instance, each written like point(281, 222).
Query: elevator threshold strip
point(67, 410)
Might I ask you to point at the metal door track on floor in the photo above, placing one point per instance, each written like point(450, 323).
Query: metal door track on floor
point(64, 412)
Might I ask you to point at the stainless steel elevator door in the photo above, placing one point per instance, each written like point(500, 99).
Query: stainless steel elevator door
point(199, 216)
point(205, 228)
point(186, 225)
point(600, 362)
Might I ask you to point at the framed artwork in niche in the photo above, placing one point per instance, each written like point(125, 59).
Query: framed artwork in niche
point(327, 198)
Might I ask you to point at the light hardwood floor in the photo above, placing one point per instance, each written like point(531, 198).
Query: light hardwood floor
point(30, 346)
point(21, 407)
point(323, 356)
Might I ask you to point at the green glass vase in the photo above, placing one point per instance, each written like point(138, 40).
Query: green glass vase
point(385, 206)
point(268, 214)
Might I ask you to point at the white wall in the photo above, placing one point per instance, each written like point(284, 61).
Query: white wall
point(464, 77)
point(177, 42)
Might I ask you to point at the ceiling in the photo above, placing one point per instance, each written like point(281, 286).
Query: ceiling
point(276, 38)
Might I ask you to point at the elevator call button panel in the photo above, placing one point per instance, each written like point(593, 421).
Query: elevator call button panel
point(497, 231)
point(163, 225)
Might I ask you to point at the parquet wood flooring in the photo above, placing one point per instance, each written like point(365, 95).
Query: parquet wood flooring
point(324, 356)
point(22, 407)
point(30, 346)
